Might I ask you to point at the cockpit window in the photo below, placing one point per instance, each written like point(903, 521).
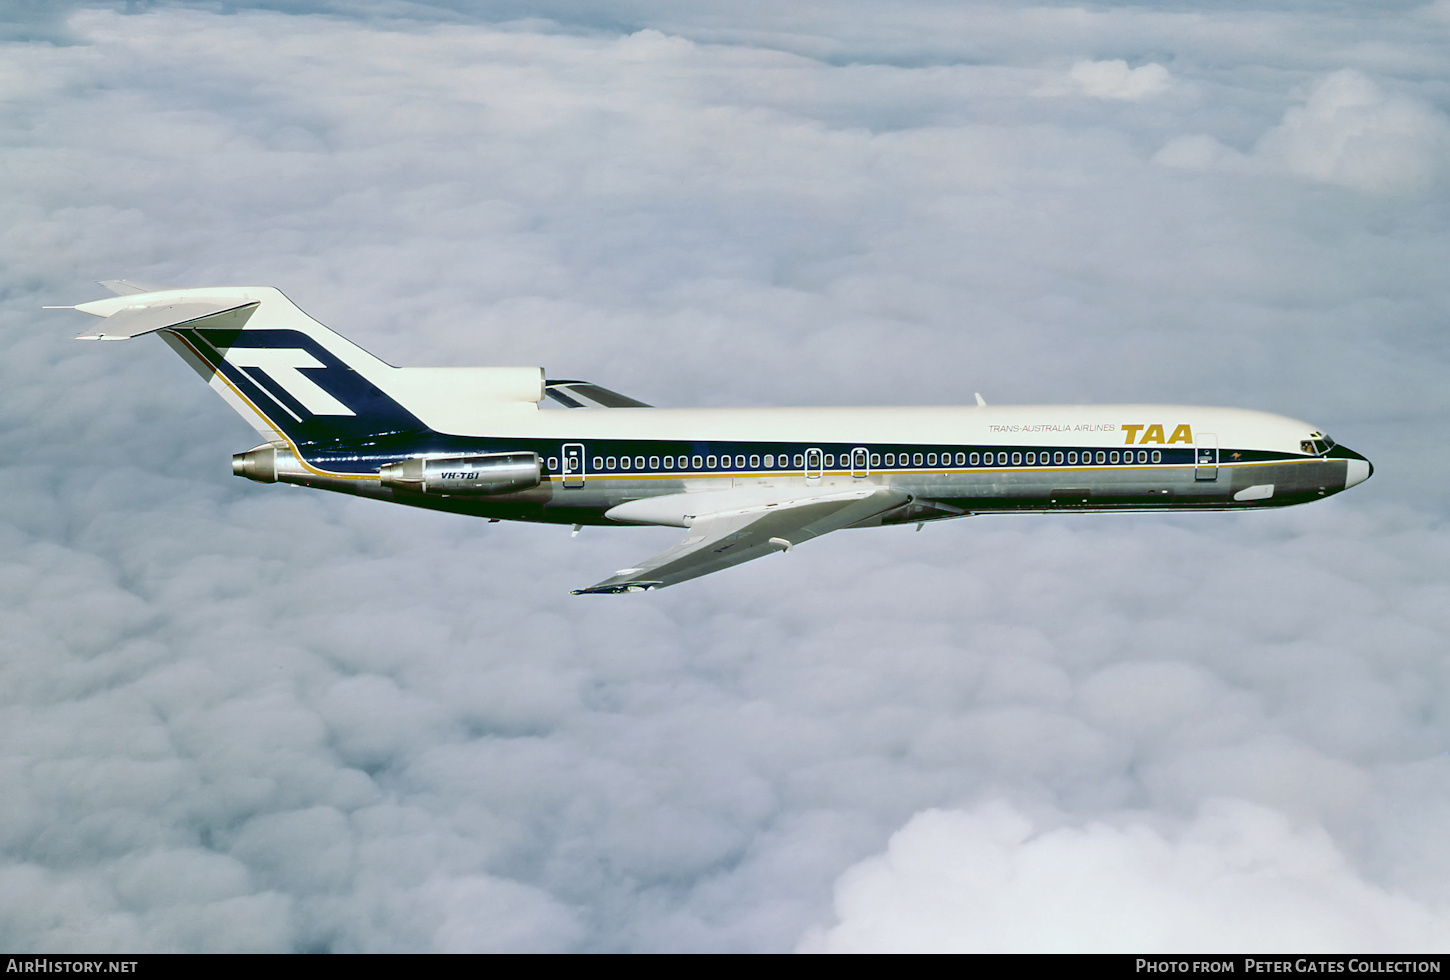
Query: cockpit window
point(1317, 446)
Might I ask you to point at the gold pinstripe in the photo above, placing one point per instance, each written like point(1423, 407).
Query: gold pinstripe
point(715, 475)
point(720, 474)
point(268, 419)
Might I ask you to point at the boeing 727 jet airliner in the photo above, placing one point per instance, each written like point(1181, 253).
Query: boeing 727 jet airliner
point(743, 483)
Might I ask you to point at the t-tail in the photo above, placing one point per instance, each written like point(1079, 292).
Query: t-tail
point(321, 402)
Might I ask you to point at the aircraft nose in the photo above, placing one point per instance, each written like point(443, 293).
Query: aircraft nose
point(1358, 469)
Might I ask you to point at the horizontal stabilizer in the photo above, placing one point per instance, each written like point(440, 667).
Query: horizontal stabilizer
point(125, 324)
point(131, 287)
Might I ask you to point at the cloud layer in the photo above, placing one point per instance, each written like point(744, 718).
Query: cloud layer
point(1349, 132)
point(244, 717)
point(1239, 879)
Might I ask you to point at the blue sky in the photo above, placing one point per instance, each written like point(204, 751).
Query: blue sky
point(247, 717)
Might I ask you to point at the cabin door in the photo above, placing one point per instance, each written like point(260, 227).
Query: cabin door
point(815, 465)
point(1205, 457)
point(573, 465)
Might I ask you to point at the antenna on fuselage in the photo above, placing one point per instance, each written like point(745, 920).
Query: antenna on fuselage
point(981, 402)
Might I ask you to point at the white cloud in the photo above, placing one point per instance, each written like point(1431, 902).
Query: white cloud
point(1349, 132)
point(1115, 80)
point(1200, 152)
point(1239, 878)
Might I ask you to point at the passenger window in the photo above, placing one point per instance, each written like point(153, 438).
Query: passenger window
point(740, 462)
point(961, 459)
point(654, 462)
point(1102, 456)
point(1031, 459)
point(890, 459)
point(639, 462)
point(710, 463)
point(799, 460)
point(1072, 457)
point(830, 461)
point(1057, 457)
point(1142, 455)
point(1157, 456)
point(699, 463)
point(931, 459)
point(875, 459)
point(553, 463)
point(975, 459)
point(755, 462)
point(669, 462)
point(916, 459)
point(1113, 456)
point(770, 462)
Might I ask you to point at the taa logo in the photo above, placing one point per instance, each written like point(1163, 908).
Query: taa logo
point(1154, 433)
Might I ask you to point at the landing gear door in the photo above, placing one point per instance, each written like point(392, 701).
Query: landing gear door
point(573, 458)
point(1205, 457)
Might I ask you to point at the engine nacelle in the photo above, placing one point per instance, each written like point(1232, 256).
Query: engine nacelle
point(491, 473)
point(267, 464)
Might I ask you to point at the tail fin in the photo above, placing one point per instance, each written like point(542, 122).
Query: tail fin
point(299, 383)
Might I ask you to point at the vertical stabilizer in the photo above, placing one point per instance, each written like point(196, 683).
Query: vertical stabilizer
point(299, 383)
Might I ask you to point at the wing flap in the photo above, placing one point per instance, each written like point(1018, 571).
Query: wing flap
point(127, 323)
point(719, 541)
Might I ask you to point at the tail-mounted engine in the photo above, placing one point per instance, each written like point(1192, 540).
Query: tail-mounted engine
point(491, 473)
point(268, 464)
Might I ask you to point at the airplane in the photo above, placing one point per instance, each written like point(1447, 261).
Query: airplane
point(743, 483)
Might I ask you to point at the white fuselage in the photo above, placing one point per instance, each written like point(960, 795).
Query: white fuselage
point(952, 460)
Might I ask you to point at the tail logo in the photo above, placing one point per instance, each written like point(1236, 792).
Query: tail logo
point(284, 366)
point(301, 388)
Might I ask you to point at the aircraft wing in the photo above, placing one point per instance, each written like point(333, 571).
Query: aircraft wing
point(733, 535)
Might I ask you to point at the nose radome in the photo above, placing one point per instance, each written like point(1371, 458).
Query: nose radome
point(1358, 469)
